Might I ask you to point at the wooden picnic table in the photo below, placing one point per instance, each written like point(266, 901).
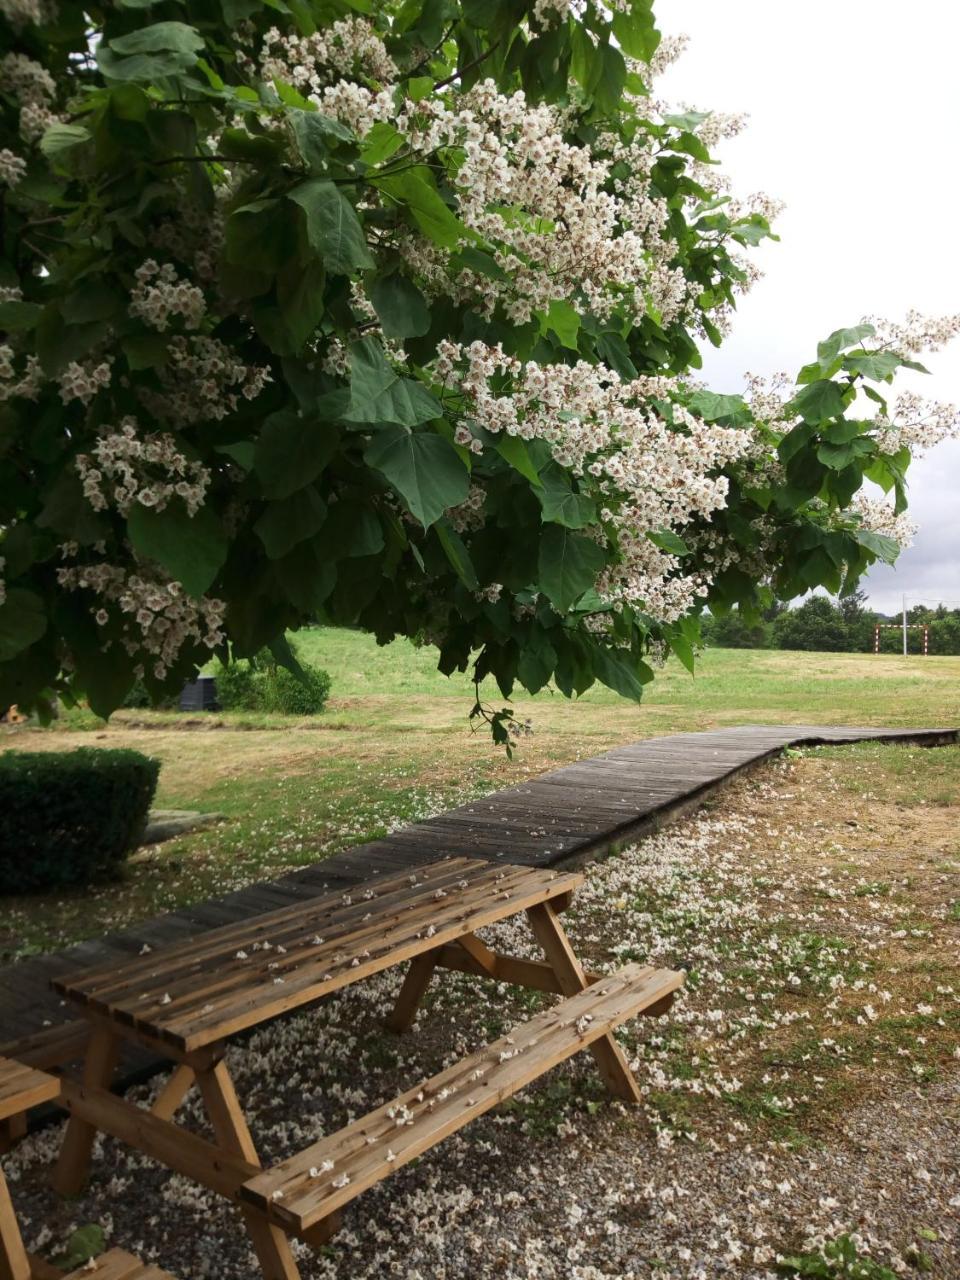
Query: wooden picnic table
point(186, 1000)
point(23, 1087)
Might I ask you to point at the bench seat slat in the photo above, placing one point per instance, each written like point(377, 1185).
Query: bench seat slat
point(23, 1087)
point(309, 1186)
point(117, 1265)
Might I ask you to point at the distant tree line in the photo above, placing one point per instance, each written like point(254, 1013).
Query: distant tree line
point(825, 625)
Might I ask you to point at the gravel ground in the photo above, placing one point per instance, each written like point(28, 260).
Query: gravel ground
point(807, 1084)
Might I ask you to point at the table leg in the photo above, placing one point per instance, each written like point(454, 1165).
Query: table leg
point(610, 1058)
point(12, 1130)
point(168, 1100)
point(73, 1163)
point(233, 1134)
point(14, 1264)
point(411, 993)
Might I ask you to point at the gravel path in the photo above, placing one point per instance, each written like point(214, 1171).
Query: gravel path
point(807, 1084)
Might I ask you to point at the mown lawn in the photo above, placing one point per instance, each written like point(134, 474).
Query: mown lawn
point(395, 745)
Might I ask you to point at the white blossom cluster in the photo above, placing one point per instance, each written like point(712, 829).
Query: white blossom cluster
point(202, 379)
point(32, 85)
point(127, 468)
point(469, 514)
point(916, 334)
point(22, 13)
point(348, 47)
point(13, 168)
point(26, 383)
point(82, 381)
point(158, 617)
point(877, 516)
point(917, 424)
point(561, 225)
point(159, 295)
point(645, 473)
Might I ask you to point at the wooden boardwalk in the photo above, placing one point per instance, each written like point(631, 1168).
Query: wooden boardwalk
point(566, 817)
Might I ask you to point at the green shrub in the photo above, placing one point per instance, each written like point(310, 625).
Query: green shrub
point(72, 817)
point(261, 684)
point(297, 696)
point(239, 687)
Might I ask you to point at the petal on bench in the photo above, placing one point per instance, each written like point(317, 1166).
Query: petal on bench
point(308, 1187)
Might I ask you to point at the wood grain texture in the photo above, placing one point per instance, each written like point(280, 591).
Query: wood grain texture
point(306, 1188)
point(198, 993)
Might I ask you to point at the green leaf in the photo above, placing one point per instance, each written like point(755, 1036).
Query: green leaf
point(884, 548)
point(300, 308)
point(712, 407)
point(568, 564)
point(312, 132)
point(458, 555)
point(419, 87)
point(484, 264)
point(840, 339)
point(67, 512)
point(415, 189)
point(621, 671)
point(402, 308)
point(614, 352)
point(83, 1244)
point(291, 521)
point(560, 504)
point(668, 541)
point(352, 529)
point(379, 394)
point(564, 321)
point(176, 36)
point(514, 450)
point(424, 469)
point(838, 456)
point(292, 451)
point(145, 350)
point(150, 53)
point(60, 140)
point(23, 620)
point(380, 144)
point(333, 228)
point(819, 401)
point(880, 366)
point(18, 317)
point(638, 36)
point(191, 549)
point(307, 575)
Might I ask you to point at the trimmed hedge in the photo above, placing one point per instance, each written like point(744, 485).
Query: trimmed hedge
point(71, 817)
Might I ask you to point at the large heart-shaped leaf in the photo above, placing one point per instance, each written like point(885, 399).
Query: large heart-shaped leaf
point(292, 451)
point(23, 619)
point(191, 549)
point(568, 565)
point(333, 228)
point(426, 470)
point(285, 524)
point(379, 394)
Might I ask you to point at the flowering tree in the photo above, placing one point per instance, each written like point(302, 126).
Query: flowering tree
point(383, 312)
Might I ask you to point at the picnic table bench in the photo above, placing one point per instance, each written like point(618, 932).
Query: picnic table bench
point(23, 1087)
point(186, 1000)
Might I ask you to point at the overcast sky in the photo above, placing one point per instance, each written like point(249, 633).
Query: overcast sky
point(854, 110)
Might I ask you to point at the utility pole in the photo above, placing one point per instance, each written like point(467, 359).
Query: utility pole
point(904, 626)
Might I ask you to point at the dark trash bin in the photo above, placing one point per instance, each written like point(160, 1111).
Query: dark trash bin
point(200, 695)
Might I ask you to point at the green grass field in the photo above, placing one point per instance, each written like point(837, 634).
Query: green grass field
point(395, 744)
